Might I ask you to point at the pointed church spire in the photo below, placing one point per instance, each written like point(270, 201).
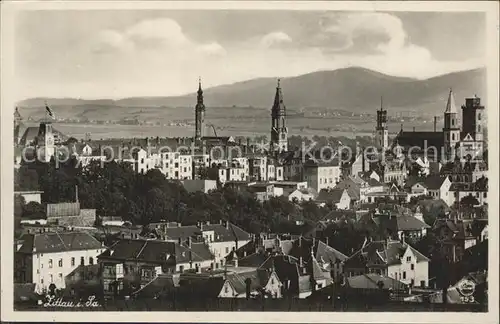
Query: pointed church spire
point(450, 105)
point(200, 92)
point(278, 99)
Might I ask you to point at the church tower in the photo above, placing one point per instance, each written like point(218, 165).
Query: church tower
point(279, 131)
point(45, 141)
point(472, 118)
point(381, 132)
point(17, 125)
point(451, 129)
point(199, 114)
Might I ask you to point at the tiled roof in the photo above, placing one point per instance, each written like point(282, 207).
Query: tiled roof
point(418, 139)
point(253, 260)
point(333, 195)
point(327, 254)
point(317, 271)
point(161, 284)
point(371, 281)
point(229, 234)
point(182, 232)
point(151, 251)
point(386, 252)
point(237, 280)
point(434, 182)
point(409, 223)
point(198, 252)
point(53, 242)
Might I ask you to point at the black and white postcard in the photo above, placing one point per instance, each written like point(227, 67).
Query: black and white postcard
point(250, 161)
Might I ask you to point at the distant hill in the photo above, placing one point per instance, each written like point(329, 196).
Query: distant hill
point(352, 89)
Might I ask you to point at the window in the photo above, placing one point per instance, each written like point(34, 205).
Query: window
point(82, 261)
point(412, 283)
point(60, 276)
point(412, 267)
point(404, 274)
point(453, 123)
point(176, 164)
point(226, 289)
point(37, 271)
point(72, 262)
point(485, 195)
point(181, 268)
point(50, 263)
point(51, 278)
point(478, 128)
point(91, 260)
point(60, 263)
point(320, 286)
point(41, 281)
point(227, 249)
point(422, 283)
point(479, 116)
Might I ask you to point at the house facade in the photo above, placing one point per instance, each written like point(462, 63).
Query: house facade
point(47, 258)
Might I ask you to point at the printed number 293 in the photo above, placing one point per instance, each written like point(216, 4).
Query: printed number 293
point(467, 299)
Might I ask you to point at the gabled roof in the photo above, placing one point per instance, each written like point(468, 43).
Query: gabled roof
point(238, 280)
point(151, 251)
point(410, 223)
point(434, 182)
point(385, 252)
point(230, 233)
point(327, 254)
point(333, 195)
point(53, 242)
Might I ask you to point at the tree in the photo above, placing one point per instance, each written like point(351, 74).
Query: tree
point(34, 210)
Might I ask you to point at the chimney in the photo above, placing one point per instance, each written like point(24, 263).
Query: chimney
point(220, 221)
point(227, 224)
point(189, 241)
point(235, 260)
point(301, 263)
point(198, 268)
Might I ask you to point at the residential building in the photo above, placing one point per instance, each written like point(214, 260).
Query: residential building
point(222, 238)
point(337, 196)
point(322, 175)
point(47, 258)
point(438, 187)
point(394, 259)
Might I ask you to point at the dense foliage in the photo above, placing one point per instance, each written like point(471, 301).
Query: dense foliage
point(116, 190)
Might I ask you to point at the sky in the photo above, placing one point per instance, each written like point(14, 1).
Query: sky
point(125, 53)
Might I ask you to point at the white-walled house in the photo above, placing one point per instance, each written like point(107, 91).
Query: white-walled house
point(438, 187)
point(46, 258)
point(394, 259)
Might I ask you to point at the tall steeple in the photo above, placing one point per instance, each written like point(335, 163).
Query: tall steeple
point(279, 131)
point(199, 113)
point(381, 132)
point(451, 129)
